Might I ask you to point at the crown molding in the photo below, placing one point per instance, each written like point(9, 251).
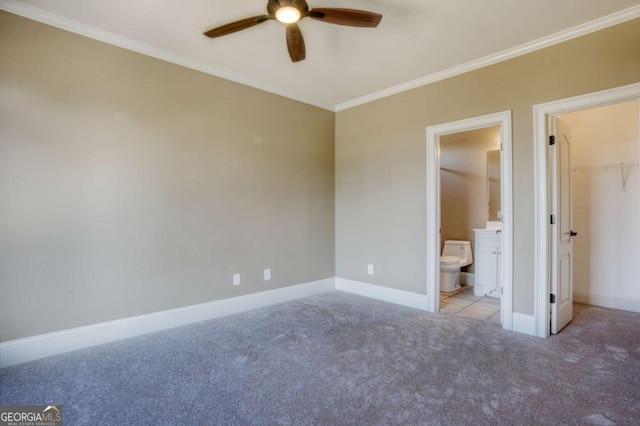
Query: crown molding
point(76, 27)
point(541, 43)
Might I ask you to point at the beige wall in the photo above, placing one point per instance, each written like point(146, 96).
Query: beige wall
point(129, 185)
point(381, 150)
point(464, 202)
point(606, 215)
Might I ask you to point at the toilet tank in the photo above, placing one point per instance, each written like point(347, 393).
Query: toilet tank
point(461, 249)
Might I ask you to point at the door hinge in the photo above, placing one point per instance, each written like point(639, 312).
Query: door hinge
point(552, 140)
point(552, 299)
point(500, 146)
point(553, 219)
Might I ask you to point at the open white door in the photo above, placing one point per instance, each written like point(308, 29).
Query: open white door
point(561, 232)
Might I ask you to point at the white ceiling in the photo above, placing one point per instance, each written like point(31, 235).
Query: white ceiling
point(416, 38)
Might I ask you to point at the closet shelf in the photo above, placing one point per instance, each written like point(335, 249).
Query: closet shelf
point(607, 166)
point(624, 170)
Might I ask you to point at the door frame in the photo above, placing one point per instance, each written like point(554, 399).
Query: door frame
point(542, 189)
point(502, 119)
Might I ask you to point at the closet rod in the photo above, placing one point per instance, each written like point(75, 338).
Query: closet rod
point(624, 167)
point(608, 166)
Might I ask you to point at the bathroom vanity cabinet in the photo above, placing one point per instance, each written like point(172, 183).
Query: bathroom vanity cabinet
point(488, 259)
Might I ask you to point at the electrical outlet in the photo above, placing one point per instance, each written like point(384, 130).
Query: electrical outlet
point(236, 279)
point(267, 274)
point(370, 269)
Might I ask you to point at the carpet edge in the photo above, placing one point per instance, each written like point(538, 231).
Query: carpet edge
point(40, 346)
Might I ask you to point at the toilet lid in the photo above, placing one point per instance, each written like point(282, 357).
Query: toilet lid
point(449, 260)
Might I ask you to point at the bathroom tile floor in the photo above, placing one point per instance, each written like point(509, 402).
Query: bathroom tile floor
point(464, 302)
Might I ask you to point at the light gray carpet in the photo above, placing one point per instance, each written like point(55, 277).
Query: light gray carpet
point(338, 359)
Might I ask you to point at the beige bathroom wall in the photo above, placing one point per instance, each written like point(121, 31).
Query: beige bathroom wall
point(129, 185)
point(464, 202)
point(381, 151)
point(606, 209)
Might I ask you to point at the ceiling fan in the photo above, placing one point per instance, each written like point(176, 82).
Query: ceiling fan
point(289, 12)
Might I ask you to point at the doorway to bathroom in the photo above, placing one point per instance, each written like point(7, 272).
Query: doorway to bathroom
point(469, 168)
point(470, 223)
point(587, 204)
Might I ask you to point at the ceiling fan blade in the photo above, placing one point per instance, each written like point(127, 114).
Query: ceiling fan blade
point(349, 17)
point(295, 43)
point(237, 26)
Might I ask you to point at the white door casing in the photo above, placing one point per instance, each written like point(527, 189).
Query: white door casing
point(561, 299)
point(542, 256)
point(502, 119)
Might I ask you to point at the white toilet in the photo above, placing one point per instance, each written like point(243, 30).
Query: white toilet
point(455, 255)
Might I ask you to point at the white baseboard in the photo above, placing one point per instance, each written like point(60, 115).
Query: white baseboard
point(386, 294)
point(523, 323)
point(41, 346)
point(36, 347)
point(607, 302)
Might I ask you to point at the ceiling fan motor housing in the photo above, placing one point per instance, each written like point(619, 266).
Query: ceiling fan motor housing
point(274, 5)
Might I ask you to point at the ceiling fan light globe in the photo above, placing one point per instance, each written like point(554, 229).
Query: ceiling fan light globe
point(288, 15)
